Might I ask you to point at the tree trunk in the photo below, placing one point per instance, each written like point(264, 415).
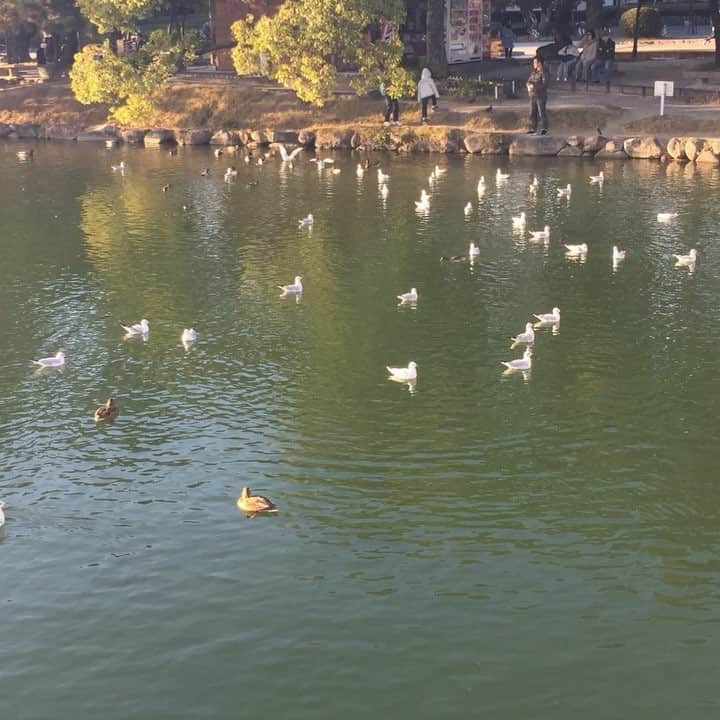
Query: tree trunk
point(715, 16)
point(594, 15)
point(562, 22)
point(435, 48)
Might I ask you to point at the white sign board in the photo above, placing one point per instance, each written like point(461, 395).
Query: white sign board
point(664, 88)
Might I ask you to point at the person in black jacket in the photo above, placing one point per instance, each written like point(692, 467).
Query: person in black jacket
point(605, 57)
point(537, 91)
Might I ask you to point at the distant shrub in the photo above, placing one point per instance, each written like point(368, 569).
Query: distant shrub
point(651, 23)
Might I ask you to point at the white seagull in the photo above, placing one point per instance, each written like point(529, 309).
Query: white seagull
point(188, 335)
point(3, 505)
point(118, 168)
point(618, 255)
point(666, 217)
point(438, 171)
point(518, 221)
point(540, 235)
point(382, 177)
point(534, 183)
point(481, 185)
point(597, 179)
point(523, 363)
point(306, 221)
point(500, 176)
point(524, 338)
point(565, 192)
point(686, 260)
point(575, 250)
point(384, 191)
point(474, 250)
point(424, 203)
point(293, 288)
point(141, 328)
point(359, 170)
point(289, 157)
point(468, 209)
point(551, 318)
point(57, 361)
point(409, 297)
point(402, 374)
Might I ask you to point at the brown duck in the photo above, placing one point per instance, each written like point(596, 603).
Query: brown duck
point(252, 504)
point(108, 411)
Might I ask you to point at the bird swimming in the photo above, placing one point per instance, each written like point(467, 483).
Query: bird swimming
point(25, 154)
point(188, 335)
point(359, 170)
point(666, 217)
point(526, 338)
point(618, 254)
point(294, 288)
point(468, 209)
point(107, 411)
point(252, 504)
point(382, 177)
point(481, 185)
point(56, 361)
point(565, 192)
point(384, 191)
point(409, 297)
point(551, 318)
point(686, 260)
point(518, 221)
point(580, 249)
point(597, 179)
point(473, 250)
point(3, 505)
point(141, 328)
point(523, 363)
point(540, 235)
point(306, 221)
point(500, 176)
point(118, 168)
point(402, 374)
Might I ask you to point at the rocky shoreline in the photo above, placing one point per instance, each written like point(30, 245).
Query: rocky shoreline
point(401, 140)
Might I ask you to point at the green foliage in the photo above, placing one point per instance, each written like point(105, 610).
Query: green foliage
point(468, 88)
point(128, 83)
point(651, 23)
point(305, 43)
point(109, 15)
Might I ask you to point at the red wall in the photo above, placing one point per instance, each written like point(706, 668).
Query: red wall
point(226, 12)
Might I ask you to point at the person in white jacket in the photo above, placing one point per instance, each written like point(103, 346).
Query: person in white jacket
point(427, 91)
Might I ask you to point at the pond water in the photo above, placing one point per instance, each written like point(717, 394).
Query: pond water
point(513, 546)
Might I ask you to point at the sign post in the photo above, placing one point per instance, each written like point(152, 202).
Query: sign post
point(663, 89)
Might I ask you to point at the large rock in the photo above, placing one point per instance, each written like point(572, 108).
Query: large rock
point(260, 137)
point(676, 148)
point(707, 157)
point(193, 137)
point(572, 151)
point(643, 148)
point(28, 131)
point(98, 133)
point(613, 146)
point(328, 139)
point(62, 132)
point(5, 129)
point(447, 142)
point(594, 143)
point(536, 145)
point(283, 136)
point(487, 143)
point(714, 145)
point(606, 154)
point(159, 136)
point(225, 137)
point(307, 138)
point(693, 147)
point(134, 136)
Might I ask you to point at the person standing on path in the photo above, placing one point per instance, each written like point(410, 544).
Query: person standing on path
point(537, 91)
point(427, 90)
point(392, 106)
point(507, 37)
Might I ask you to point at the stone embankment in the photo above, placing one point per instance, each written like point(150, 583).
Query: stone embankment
point(401, 140)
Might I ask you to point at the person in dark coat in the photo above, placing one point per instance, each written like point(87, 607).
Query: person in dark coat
point(537, 91)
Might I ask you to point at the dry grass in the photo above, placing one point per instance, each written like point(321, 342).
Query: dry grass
point(675, 125)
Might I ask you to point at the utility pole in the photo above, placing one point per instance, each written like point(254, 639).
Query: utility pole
point(636, 31)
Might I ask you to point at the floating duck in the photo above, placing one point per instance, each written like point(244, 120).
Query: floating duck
point(453, 258)
point(409, 297)
point(217, 152)
point(523, 363)
point(438, 171)
point(597, 179)
point(481, 186)
point(618, 255)
point(172, 152)
point(118, 168)
point(336, 171)
point(424, 203)
point(666, 217)
point(306, 221)
point(540, 235)
point(551, 318)
point(468, 209)
point(108, 411)
point(384, 191)
point(500, 176)
point(580, 249)
point(166, 187)
point(141, 328)
point(382, 177)
point(686, 260)
point(360, 170)
point(188, 335)
point(402, 374)
point(56, 361)
point(294, 288)
point(3, 505)
point(473, 250)
point(205, 172)
point(253, 504)
point(518, 221)
point(565, 192)
point(525, 338)
point(25, 154)
point(231, 172)
point(534, 183)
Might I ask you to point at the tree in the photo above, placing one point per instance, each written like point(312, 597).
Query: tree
point(594, 15)
point(307, 41)
point(115, 15)
point(435, 48)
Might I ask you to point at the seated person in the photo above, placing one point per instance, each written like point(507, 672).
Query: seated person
point(605, 57)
